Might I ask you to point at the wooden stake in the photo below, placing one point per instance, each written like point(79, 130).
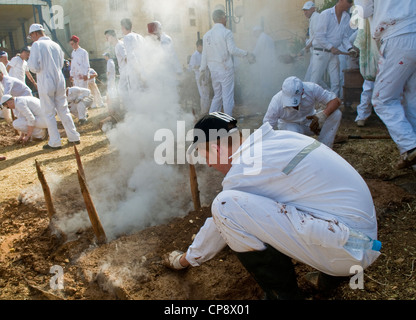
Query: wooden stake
point(46, 191)
point(194, 188)
point(79, 162)
point(92, 212)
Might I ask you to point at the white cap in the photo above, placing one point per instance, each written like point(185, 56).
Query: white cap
point(5, 98)
point(308, 5)
point(292, 90)
point(36, 27)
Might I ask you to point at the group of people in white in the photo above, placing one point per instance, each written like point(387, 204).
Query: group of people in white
point(332, 43)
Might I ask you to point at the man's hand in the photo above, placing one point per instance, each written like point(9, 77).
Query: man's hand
point(318, 121)
point(335, 51)
point(354, 53)
point(173, 260)
point(251, 58)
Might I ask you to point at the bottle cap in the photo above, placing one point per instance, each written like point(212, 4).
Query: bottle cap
point(376, 245)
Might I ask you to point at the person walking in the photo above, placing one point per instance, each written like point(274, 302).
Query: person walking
point(47, 60)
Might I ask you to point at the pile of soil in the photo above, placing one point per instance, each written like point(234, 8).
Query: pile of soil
point(131, 267)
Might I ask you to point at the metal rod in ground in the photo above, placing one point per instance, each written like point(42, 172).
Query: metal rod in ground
point(194, 188)
point(79, 162)
point(92, 212)
point(46, 191)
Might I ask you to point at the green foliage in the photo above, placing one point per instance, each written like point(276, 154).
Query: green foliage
point(327, 4)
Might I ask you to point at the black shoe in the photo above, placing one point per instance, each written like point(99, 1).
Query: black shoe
point(274, 272)
point(74, 142)
point(48, 147)
point(82, 122)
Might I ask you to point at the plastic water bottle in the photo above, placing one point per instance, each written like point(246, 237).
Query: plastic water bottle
point(359, 241)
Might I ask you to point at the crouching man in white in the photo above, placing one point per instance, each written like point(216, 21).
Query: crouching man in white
point(293, 109)
point(79, 100)
point(30, 120)
point(292, 208)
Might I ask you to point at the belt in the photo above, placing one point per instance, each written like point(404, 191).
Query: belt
point(320, 49)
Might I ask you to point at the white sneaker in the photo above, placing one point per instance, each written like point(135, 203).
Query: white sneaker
point(361, 123)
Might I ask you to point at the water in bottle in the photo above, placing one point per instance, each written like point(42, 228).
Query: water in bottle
point(359, 241)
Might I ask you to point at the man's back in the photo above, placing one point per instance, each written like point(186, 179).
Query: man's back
point(47, 59)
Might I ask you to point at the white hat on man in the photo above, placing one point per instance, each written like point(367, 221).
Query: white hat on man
point(308, 5)
point(36, 27)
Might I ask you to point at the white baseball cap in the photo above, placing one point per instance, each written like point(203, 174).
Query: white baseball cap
point(5, 98)
point(292, 90)
point(308, 5)
point(36, 27)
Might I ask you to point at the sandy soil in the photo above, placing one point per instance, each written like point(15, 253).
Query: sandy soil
point(130, 267)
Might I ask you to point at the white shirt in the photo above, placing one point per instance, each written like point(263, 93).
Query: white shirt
point(92, 72)
point(80, 63)
point(111, 70)
point(219, 47)
point(15, 87)
point(18, 68)
point(121, 54)
point(313, 94)
point(76, 93)
point(195, 63)
point(330, 33)
point(133, 43)
point(309, 185)
point(47, 60)
point(28, 108)
point(313, 25)
point(390, 17)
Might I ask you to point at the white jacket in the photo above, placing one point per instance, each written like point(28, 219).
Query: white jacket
point(77, 94)
point(80, 64)
point(15, 87)
point(390, 17)
point(47, 60)
point(219, 47)
point(29, 109)
point(330, 33)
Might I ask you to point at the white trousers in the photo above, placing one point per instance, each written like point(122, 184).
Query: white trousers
point(204, 92)
point(397, 76)
point(247, 222)
point(326, 61)
point(328, 132)
point(365, 107)
point(53, 105)
point(21, 125)
point(79, 110)
point(223, 85)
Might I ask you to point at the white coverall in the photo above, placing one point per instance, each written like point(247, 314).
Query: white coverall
point(167, 45)
point(30, 114)
point(47, 60)
point(123, 84)
point(18, 68)
point(288, 118)
point(15, 87)
point(219, 47)
point(294, 205)
point(111, 79)
point(365, 107)
point(5, 113)
point(80, 66)
point(330, 34)
point(203, 86)
point(313, 24)
point(79, 99)
point(133, 43)
point(394, 28)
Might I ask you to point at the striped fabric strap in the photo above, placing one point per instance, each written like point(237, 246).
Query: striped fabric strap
point(300, 156)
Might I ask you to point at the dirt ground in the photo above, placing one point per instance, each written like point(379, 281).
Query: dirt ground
point(130, 267)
